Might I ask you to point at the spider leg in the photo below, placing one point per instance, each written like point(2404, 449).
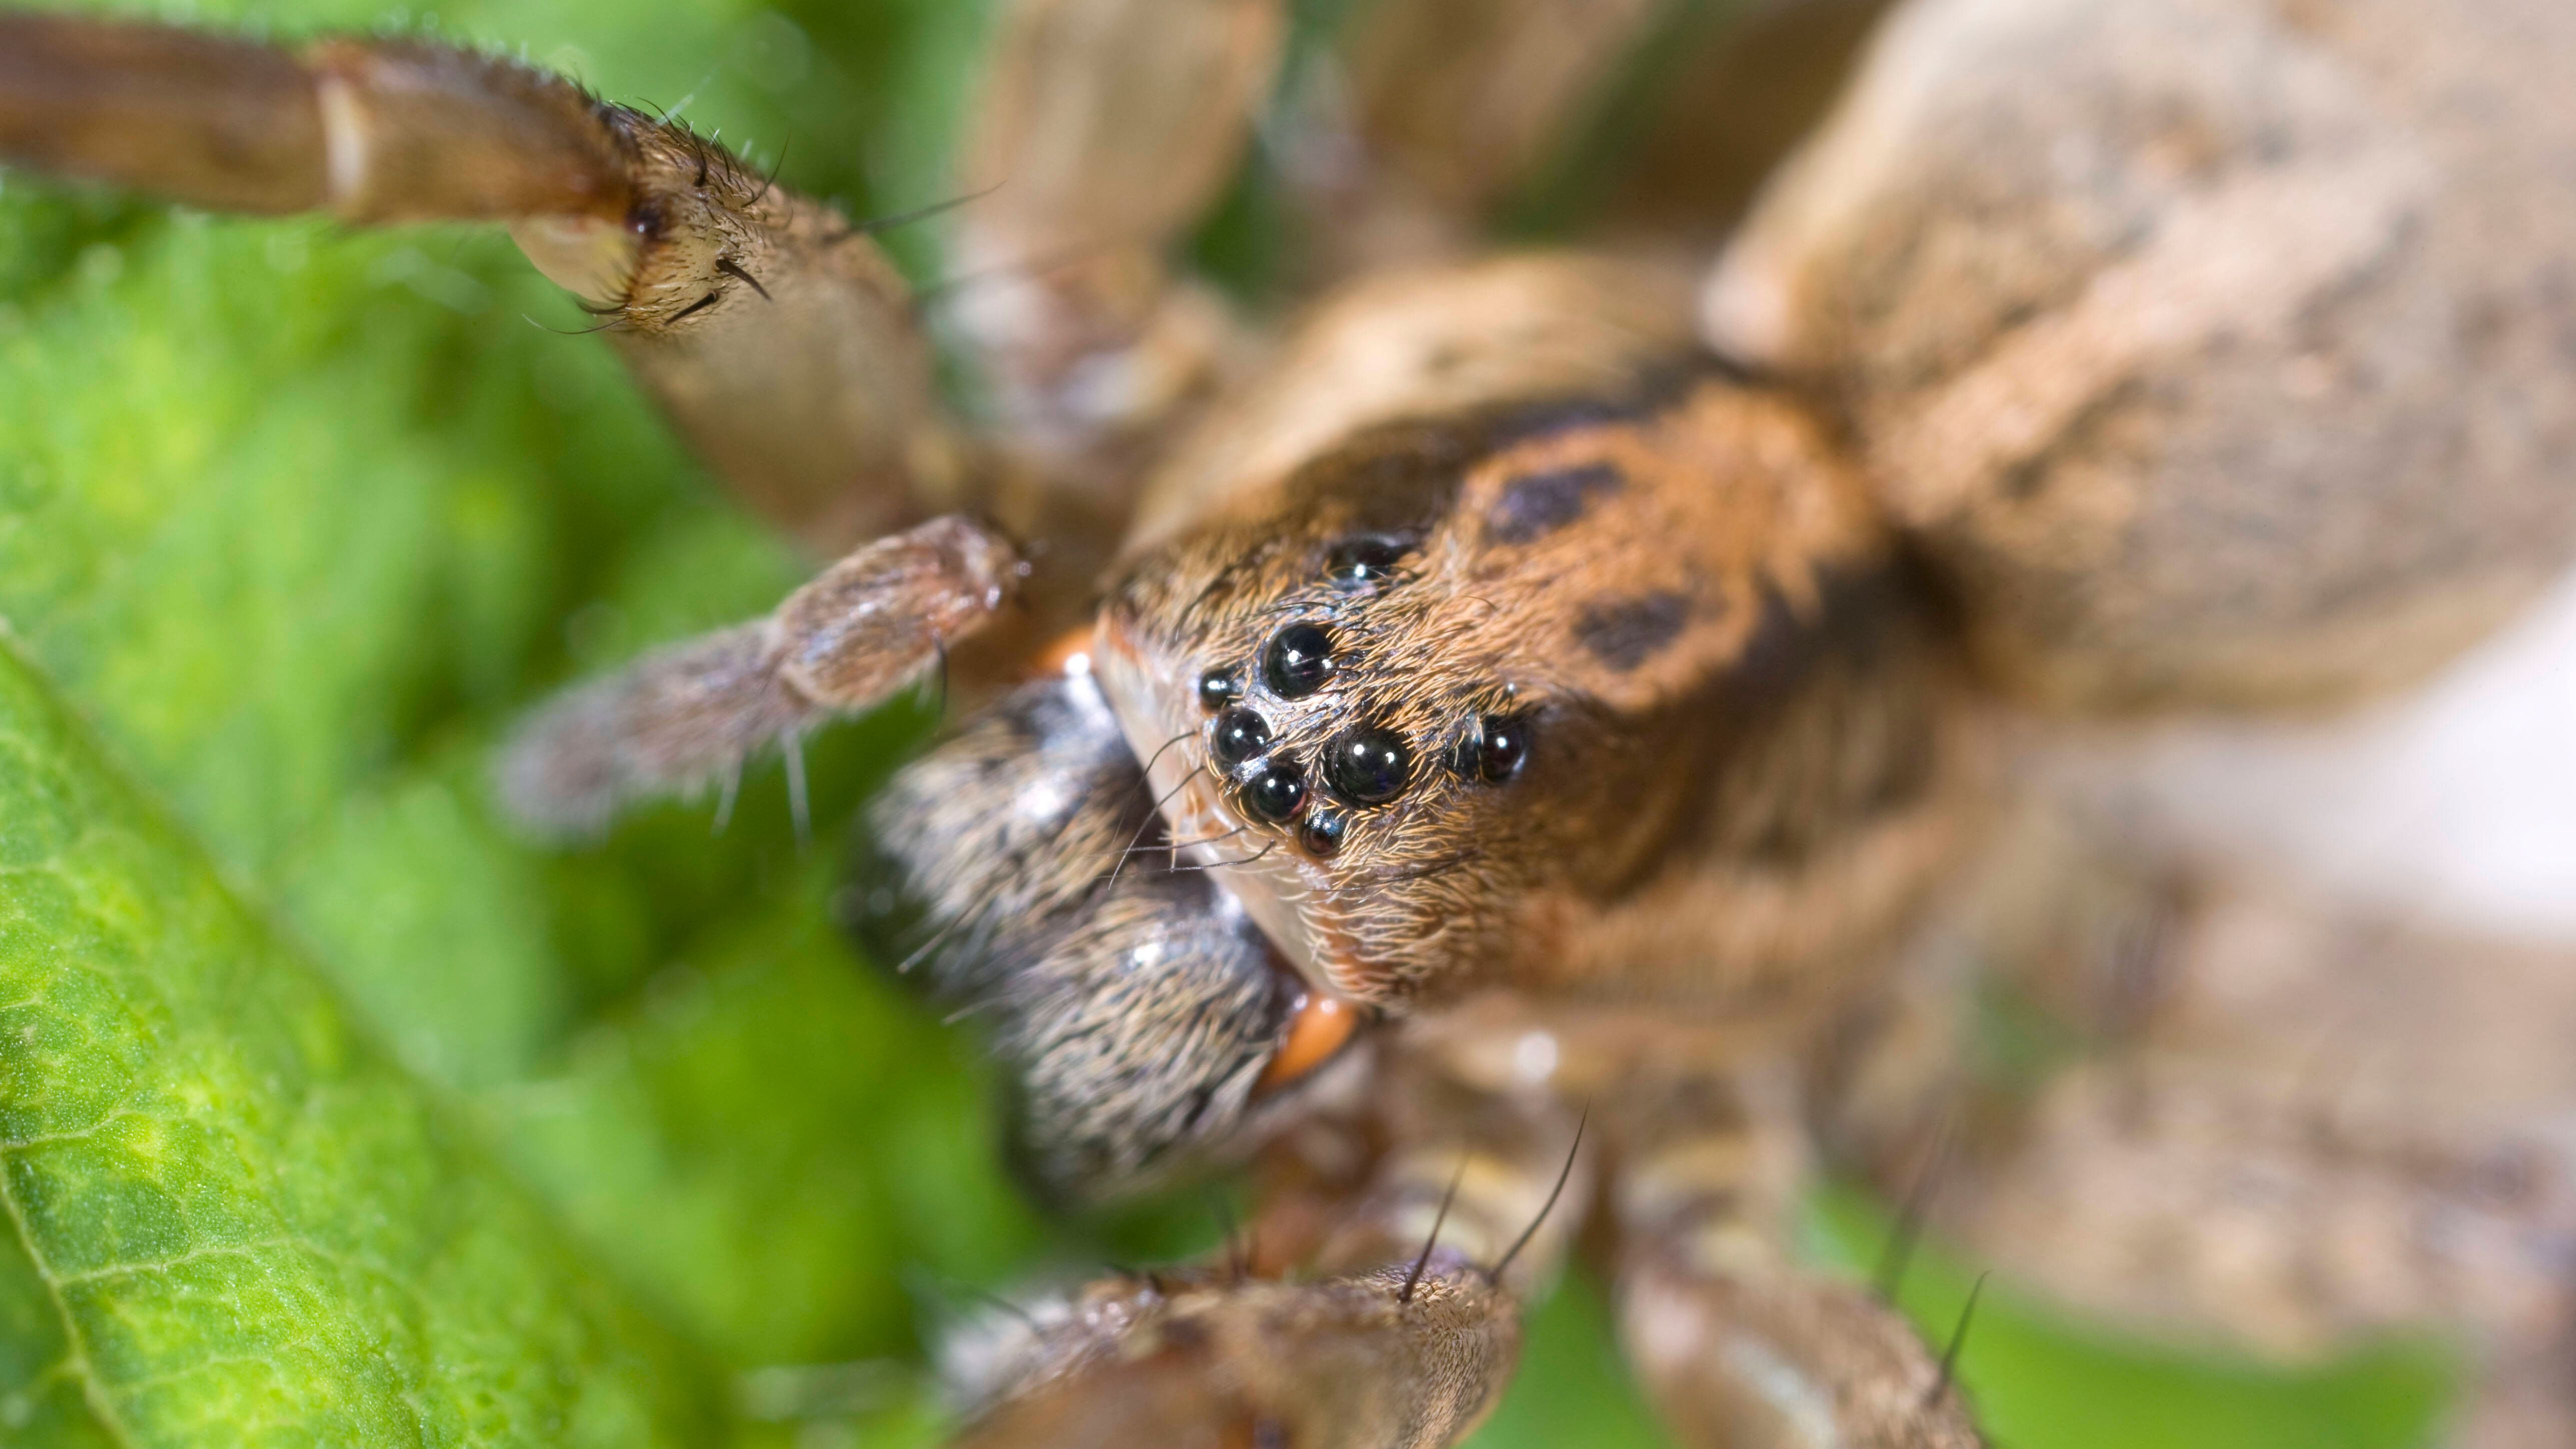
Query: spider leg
point(1104, 130)
point(1432, 114)
point(691, 713)
point(1199, 1361)
point(2263, 1116)
point(779, 340)
point(1427, 123)
point(1400, 1335)
point(2325, 1129)
point(1134, 1018)
point(1737, 1343)
point(2113, 296)
point(2173, 1199)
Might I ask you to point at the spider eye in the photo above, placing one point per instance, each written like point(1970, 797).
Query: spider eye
point(1218, 688)
point(1298, 661)
point(1369, 765)
point(1239, 735)
point(1359, 563)
point(1277, 793)
point(1321, 832)
point(1494, 749)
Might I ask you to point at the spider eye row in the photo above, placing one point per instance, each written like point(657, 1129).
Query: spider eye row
point(1368, 764)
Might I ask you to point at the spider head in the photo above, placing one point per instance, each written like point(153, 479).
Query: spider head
point(1445, 706)
point(1349, 722)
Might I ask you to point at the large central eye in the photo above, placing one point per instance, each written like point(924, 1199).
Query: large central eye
point(1369, 765)
point(1298, 661)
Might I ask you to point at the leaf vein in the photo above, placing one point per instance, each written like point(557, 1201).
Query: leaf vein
point(77, 1360)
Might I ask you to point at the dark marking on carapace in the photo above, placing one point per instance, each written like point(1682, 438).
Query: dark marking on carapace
point(1628, 633)
point(1852, 618)
point(1537, 504)
point(1185, 1335)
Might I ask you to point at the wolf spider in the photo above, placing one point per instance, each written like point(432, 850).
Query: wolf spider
point(1515, 755)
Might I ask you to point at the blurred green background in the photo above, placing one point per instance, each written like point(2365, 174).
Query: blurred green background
point(292, 521)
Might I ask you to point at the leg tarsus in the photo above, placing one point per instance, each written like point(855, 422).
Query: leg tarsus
point(693, 712)
point(1195, 1359)
point(1404, 1342)
point(843, 647)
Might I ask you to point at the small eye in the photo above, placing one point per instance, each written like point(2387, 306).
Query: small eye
point(1493, 750)
point(1364, 562)
point(1321, 832)
point(1239, 735)
point(1277, 793)
point(1298, 661)
point(1369, 765)
point(1217, 689)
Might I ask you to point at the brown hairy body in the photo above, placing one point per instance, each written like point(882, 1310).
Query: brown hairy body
point(1522, 770)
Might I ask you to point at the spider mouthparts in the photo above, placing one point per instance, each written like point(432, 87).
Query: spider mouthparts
point(1319, 1024)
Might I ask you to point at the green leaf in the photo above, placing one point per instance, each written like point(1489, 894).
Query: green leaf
point(296, 519)
point(242, 1221)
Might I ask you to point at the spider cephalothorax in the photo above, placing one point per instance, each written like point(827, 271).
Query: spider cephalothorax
point(1344, 748)
point(1440, 702)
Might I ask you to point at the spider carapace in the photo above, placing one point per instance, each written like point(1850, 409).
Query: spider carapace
point(1517, 724)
